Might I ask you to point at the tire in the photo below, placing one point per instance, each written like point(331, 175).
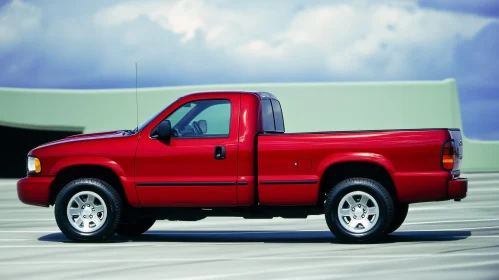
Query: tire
point(365, 224)
point(77, 220)
point(136, 228)
point(401, 210)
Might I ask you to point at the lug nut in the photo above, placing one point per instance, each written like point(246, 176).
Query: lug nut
point(83, 207)
point(84, 216)
point(93, 216)
point(360, 205)
point(353, 209)
point(88, 205)
point(363, 216)
point(94, 209)
point(355, 217)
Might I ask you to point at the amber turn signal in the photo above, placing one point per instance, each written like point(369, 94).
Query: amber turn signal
point(34, 165)
point(448, 155)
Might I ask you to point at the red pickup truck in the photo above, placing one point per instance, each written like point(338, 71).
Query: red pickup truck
point(226, 154)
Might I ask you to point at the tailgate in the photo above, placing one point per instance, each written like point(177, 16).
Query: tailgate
point(456, 136)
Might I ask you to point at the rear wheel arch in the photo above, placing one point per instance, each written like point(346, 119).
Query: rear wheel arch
point(339, 171)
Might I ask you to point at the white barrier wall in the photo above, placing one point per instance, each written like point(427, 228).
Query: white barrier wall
point(306, 107)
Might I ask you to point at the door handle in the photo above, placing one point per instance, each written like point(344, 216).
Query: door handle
point(219, 152)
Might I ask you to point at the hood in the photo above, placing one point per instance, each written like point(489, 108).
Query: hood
point(88, 136)
point(97, 134)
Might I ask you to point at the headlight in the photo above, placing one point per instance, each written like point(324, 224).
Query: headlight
point(34, 165)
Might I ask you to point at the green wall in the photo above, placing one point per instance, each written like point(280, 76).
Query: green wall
point(306, 107)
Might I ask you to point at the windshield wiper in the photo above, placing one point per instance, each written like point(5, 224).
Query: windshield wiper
point(128, 131)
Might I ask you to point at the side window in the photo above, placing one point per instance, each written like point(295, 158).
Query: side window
point(267, 116)
point(202, 118)
point(215, 120)
point(176, 116)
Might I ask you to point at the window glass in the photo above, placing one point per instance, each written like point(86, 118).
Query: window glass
point(279, 121)
point(215, 120)
point(176, 116)
point(267, 116)
point(203, 118)
point(151, 118)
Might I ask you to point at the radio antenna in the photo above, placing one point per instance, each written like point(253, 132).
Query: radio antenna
point(136, 95)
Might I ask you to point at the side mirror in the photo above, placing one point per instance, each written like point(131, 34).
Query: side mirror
point(163, 131)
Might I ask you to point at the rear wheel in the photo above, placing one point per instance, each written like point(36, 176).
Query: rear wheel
point(401, 210)
point(135, 228)
point(359, 210)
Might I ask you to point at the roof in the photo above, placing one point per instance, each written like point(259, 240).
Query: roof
point(266, 95)
point(262, 94)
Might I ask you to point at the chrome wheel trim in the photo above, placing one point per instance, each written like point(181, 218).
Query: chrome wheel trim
point(87, 211)
point(358, 212)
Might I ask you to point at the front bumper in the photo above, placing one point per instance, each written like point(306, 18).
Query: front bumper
point(457, 189)
point(35, 190)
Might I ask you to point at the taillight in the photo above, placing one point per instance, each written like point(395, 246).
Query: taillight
point(448, 155)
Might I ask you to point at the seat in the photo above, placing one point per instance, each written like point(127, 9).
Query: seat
point(203, 125)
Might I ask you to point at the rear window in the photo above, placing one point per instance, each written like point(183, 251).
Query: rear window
point(279, 121)
point(267, 116)
point(272, 116)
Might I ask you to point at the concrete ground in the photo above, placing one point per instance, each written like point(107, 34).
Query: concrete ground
point(439, 240)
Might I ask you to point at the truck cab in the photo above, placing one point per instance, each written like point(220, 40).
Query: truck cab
point(227, 154)
point(208, 157)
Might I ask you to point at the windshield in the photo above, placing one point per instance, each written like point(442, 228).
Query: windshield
point(143, 125)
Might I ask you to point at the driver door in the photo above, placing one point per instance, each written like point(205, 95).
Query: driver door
point(198, 165)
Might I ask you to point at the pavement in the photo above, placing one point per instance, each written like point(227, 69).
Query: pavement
point(439, 240)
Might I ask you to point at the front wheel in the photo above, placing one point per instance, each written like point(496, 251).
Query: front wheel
point(87, 210)
point(359, 210)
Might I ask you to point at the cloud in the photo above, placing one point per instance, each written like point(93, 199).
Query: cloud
point(219, 26)
point(488, 8)
point(16, 20)
point(476, 60)
point(343, 41)
point(95, 45)
point(196, 41)
point(374, 41)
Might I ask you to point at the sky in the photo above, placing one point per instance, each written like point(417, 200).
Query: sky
point(95, 44)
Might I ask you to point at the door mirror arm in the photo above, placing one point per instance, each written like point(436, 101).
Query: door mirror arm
point(163, 131)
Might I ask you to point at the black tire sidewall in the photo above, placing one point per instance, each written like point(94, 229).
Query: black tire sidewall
point(401, 211)
point(135, 228)
point(376, 190)
point(108, 194)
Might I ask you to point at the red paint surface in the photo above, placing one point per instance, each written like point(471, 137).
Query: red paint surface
point(34, 190)
point(412, 158)
point(112, 150)
point(458, 189)
point(188, 160)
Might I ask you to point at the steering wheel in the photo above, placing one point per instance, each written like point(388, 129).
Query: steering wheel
point(176, 132)
point(197, 128)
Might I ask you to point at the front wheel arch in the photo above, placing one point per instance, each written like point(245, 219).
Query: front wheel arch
point(74, 172)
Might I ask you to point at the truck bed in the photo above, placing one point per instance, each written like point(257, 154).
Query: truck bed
point(296, 162)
